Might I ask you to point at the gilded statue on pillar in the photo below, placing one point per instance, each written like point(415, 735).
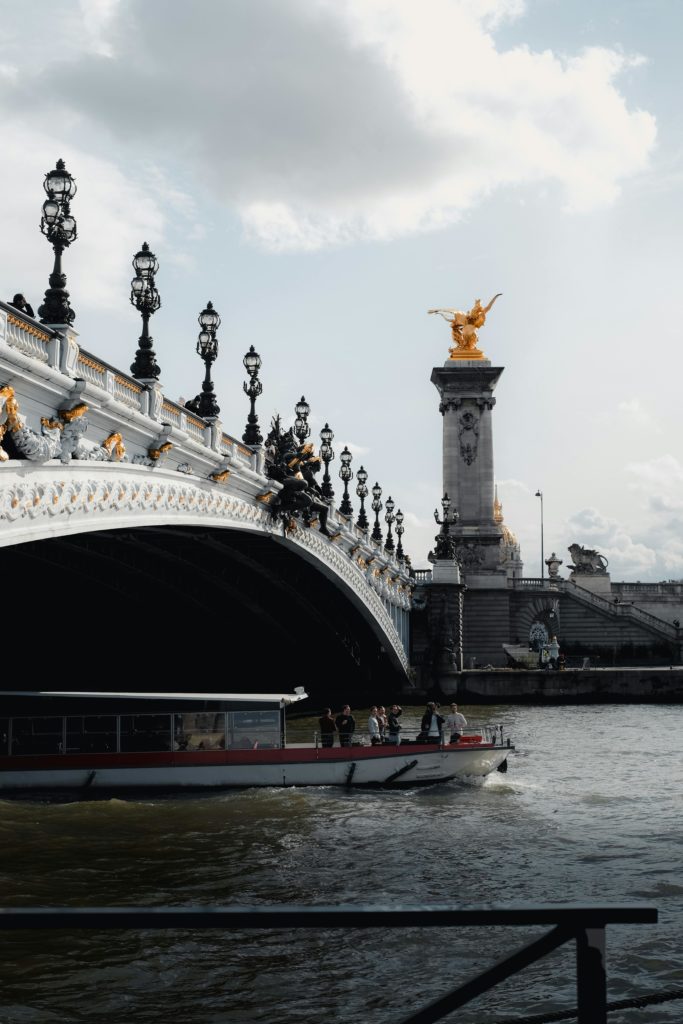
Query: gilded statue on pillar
point(464, 327)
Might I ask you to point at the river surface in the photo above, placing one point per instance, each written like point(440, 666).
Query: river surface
point(590, 810)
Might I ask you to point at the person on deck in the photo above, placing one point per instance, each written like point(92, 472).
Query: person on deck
point(382, 720)
point(373, 727)
point(394, 725)
point(455, 723)
point(327, 728)
point(431, 724)
point(346, 726)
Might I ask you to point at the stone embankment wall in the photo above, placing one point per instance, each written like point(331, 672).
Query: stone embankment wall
point(600, 686)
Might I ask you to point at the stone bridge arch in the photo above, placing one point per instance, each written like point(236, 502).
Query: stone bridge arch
point(185, 566)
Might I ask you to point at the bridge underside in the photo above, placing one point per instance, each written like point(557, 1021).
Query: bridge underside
point(183, 608)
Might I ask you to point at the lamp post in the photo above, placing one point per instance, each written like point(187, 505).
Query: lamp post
point(252, 364)
point(377, 507)
point(445, 546)
point(346, 474)
point(539, 494)
point(389, 518)
point(205, 404)
point(362, 492)
point(327, 454)
point(145, 297)
point(301, 427)
point(59, 227)
point(400, 528)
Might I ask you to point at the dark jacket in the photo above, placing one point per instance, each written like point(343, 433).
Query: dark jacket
point(427, 720)
point(393, 720)
point(346, 724)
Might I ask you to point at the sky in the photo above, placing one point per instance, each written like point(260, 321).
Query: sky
point(326, 171)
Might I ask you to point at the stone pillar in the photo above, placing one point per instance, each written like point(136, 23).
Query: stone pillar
point(466, 391)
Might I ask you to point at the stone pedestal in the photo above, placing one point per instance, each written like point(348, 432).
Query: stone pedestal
point(445, 619)
point(597, 583)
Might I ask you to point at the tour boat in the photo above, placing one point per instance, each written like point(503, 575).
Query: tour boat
point(112, 742)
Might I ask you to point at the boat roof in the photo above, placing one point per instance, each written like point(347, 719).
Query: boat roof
point(251, 698)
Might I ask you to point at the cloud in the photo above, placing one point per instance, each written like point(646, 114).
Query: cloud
point(628, 559)
point(104, 201)
point(325, 122)
point(638, 416)
point(664, 473)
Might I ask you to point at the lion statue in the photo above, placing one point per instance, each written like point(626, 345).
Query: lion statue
point(587, 561)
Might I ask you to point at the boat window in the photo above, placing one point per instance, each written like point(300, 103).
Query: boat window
point(249, 729)
point(4, 736)
point(37, 735)
point(145, 732)
point(199, 730)
point(91, 734)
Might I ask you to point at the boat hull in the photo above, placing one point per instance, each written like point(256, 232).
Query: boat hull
point(353, 766)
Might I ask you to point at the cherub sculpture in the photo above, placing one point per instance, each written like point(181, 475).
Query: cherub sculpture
point(464, 327)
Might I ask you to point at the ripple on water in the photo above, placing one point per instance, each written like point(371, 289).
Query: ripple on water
point(582, 814)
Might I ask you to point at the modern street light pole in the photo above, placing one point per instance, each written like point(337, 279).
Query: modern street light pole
point(539, 494)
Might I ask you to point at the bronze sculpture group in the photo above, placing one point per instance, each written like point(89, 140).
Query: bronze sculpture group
point(294, 464)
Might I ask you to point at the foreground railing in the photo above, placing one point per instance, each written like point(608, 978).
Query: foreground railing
point(583, 924)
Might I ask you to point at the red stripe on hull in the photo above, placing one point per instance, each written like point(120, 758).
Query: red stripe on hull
point(167, 759)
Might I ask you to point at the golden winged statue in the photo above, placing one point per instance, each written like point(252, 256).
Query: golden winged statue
point(464, 327)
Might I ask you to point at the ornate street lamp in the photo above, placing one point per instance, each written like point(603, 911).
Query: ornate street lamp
point(301, 427)
point(377, 507)
point(145, 297)
point(59, 227)
point(400, 528)
point(252, 364)
point(346, 474)
point(389, 518)
point(445, 545)
point(205, 404)
point(327, 454)
point(362, 492)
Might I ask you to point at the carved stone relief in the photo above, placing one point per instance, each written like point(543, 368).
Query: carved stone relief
point(468, 433)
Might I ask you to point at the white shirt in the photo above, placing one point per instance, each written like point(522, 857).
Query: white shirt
point(373, 726)
point(434, 725)
point(455, 721)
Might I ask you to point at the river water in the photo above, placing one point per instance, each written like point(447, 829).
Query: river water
point(590, 810)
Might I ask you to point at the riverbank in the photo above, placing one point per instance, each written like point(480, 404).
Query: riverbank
point(651, 685)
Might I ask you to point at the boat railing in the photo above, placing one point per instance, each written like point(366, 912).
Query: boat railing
point(582, 924)
point(493, 734)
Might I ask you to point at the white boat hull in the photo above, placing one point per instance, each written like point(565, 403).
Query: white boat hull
point(362, 766)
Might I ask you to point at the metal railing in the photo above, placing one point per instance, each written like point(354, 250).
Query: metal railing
point(494, 734)
point(583, 924)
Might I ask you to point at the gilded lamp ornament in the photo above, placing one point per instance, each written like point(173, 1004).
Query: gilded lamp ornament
point(464, 327)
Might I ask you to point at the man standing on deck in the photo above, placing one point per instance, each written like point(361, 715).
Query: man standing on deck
point(346, 725)
point(327, 728)
point(455, 722)
point(431, 724)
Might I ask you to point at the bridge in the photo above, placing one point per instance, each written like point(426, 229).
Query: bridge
point(144, 545)
point(139, 536)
